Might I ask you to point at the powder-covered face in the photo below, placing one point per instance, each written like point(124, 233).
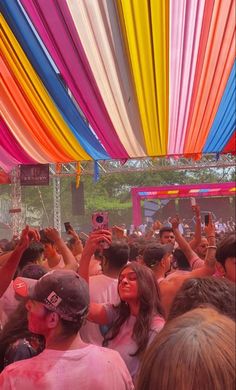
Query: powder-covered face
point(201, 250)
point(127, 285)
point(167, 238)
point(36, 317)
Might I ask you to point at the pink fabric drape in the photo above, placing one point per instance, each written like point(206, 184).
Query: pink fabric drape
point(12, 148)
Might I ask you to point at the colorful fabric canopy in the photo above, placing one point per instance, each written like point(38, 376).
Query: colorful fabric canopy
point(116, 79)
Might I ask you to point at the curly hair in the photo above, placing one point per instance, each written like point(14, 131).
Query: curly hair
point(149, 297)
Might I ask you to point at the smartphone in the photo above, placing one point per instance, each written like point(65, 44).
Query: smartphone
point(100, 220)
point(68, 226)
point(206, 218)
point(193, 202)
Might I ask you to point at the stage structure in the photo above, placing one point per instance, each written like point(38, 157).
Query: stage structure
point(177, 191)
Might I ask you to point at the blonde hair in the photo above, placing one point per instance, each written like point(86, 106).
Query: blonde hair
point(194, 351)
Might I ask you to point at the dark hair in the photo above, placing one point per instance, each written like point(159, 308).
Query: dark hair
point(149, 296)
point(31, 254)
point(181, 260)
point(165, 229)
point(15, 328)
point(33, 271)
point(226, 248)
point(69, 328)
point(218, 292)
point(153, 254)
point(133, 250)
point(194, 351)
point(117, 254)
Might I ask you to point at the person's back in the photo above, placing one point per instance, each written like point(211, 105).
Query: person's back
point(89, 367)
point(57, 305)
point(103, 288)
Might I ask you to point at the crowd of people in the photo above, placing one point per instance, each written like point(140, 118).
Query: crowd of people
point(145, 309)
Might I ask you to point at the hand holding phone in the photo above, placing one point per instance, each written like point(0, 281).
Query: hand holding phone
point(206, 219)
point(68, 226)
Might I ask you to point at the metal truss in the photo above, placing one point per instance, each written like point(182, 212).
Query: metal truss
point(16, 205)
point(57, 202)
point(147, 164)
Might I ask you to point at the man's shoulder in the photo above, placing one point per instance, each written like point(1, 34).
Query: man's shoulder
point(102, 286)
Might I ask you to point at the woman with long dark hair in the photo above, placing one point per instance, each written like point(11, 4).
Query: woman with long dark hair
point(133, 323)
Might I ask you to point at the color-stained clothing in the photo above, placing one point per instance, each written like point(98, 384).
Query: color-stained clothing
point(87, 368)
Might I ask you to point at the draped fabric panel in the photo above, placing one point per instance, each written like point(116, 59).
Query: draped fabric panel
point(224, 122)
point(98, 29)
point(57, 31)
point(185, 27)
point(16, 109)
point(230, 147)
point(9, 144)
point(214, 75)
point(28, 40)
point(116, 79)
point(145, 27)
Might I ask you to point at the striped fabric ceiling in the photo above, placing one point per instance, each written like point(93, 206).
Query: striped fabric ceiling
point(116, 79)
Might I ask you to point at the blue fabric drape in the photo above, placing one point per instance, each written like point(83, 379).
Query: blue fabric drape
point(225, 120)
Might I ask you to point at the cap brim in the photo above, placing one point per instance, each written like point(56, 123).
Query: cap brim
point(24, 287)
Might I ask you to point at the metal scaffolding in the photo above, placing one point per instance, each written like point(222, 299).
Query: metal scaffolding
point(16, 206)
point(147, 164)
point(57, 202)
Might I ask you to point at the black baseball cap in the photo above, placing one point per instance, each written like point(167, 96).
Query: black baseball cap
point(61, 291)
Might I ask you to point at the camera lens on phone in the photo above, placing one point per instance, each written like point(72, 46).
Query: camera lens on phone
point(99, 219)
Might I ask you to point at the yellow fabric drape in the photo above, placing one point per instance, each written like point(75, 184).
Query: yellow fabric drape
point(145, 28)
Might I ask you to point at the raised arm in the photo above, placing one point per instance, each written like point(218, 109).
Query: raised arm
point(197, 236)
point(183, 244)
point(68, 257)
point(9, 268)
point(91, 245)
point(209, 265)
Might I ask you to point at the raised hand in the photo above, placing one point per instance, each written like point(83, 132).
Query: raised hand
point(210, 228)
point(27, 235)
point(117, 232)
point(52, 233)
point(175, 222)
point(95, 239)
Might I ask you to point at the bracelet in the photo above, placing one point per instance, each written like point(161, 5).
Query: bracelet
point(211, 246)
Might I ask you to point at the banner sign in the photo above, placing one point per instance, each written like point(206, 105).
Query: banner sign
point(34, 175)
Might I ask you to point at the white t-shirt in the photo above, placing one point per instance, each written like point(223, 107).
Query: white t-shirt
point(8, 303)
point(125, 344)
point(102, 289)
point(87, 368)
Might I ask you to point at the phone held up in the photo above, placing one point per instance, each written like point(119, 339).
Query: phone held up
point(68, 226)
point(206, 218)
point(100, 222)
point(193, 202)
